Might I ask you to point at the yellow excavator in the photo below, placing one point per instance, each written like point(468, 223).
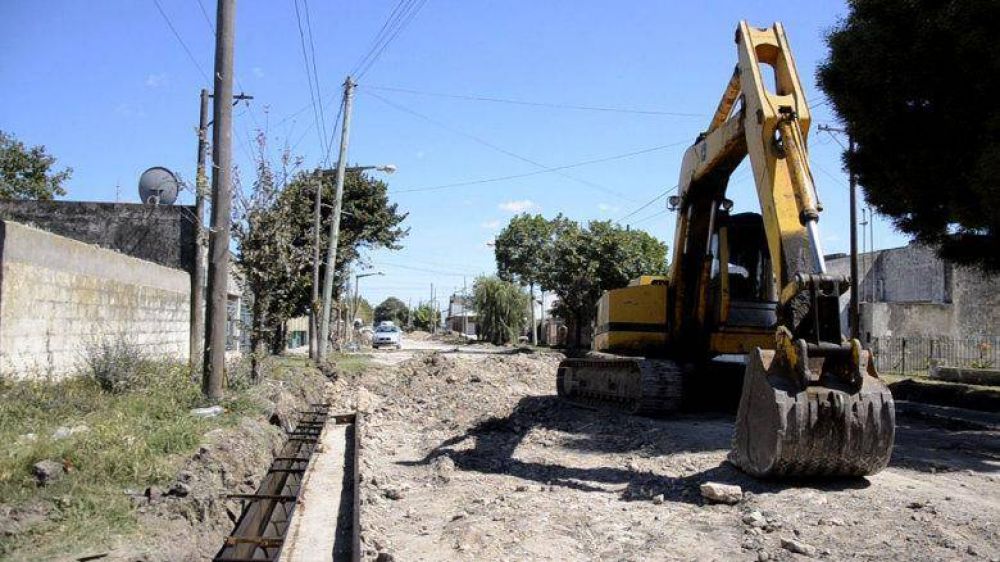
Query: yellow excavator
point(753, 285)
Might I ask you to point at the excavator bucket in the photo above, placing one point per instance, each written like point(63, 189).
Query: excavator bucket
point(831, 428)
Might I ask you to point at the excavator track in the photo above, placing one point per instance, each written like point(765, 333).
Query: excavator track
point(824, 430)
point(633, 385)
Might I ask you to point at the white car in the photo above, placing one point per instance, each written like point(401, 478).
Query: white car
point(387, 336)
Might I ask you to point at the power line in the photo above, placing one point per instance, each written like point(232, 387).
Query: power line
point(181, 41)
point(495, 147)
point(319, 95)
point(421, 269)
point(647, 204)
point(539, 172)
point(399, 18)
point(320, 129)
point(476, 97)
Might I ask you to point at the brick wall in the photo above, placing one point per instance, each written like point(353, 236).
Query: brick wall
point(58, 295)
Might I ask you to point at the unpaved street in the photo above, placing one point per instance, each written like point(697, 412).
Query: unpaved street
point(470, 456)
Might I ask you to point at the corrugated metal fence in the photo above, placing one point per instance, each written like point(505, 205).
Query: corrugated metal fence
point(897, 354)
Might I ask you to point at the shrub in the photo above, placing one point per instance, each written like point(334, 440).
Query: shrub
point(116, 363)
point(501, 307)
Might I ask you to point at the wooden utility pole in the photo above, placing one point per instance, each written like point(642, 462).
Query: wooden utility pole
point(854, 315)
point(531, 307)
point(222, 169)
point(314, 303)
point(331, 249)
point(198, 273)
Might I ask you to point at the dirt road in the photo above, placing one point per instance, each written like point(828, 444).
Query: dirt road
point(469, 456)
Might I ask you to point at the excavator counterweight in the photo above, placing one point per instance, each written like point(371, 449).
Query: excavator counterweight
point(752, 285)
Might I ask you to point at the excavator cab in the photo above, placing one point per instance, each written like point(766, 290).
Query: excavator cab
point(742, 290)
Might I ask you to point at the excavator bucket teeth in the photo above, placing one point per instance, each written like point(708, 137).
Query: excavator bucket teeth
point(824, 430)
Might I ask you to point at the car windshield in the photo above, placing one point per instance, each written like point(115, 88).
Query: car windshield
point(383, 329)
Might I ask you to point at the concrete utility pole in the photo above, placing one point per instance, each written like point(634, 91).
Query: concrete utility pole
point(222, 145)
point(331, 250)
point(198, 274)
point(314, 303)
point(854, 314)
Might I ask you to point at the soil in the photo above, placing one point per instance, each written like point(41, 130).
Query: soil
point(470, 456)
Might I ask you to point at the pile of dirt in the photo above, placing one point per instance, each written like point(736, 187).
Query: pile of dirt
point(470, 456)
point(418, 335)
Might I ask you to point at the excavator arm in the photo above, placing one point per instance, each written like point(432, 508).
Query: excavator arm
point(811, 401)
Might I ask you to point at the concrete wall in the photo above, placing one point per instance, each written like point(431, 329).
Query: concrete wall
point(58, 295)
point(160, 234)
point(909, 291)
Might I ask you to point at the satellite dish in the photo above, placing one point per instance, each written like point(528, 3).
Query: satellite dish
point(158, 186)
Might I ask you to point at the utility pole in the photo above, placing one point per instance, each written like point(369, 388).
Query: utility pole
point(854, 312)
point(222, 145)
point(542, 323)
point(531, 315)
point(465, 309)
point(314, 303)
point(198, 274)
point(331, 250)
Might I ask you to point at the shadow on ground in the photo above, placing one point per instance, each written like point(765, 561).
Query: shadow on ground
point(495, 440)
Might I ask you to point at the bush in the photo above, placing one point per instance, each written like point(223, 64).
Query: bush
point(117, 364)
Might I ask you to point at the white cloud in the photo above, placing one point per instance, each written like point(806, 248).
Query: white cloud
point(156, 80)
point(257, 71)
point(605, 208)
point(492, 224)
point(518, 206)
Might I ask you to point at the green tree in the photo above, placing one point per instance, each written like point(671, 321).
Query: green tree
point(364, 310)
point(369, 221)
point(585, 262)
point(500, 309)
point(28, 173)
point(425, 317)
point(266, 259)
point(392, 310)
point(915, 83)
point(521, 251)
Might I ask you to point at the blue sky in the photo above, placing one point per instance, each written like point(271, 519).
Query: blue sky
point(110, 91)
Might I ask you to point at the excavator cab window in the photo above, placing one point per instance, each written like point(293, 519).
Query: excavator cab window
point(741, 279)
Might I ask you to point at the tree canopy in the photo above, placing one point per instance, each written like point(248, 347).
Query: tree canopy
point(915, 83)
point(28, 173)
point(368, 221)
point(392, 310)
point(578, 262)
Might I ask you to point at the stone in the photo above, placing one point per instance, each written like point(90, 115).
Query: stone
point(153, 493)
point(721, 493)
point(658, 499)
point(209, 412)
point(393, 493)
point(47, 471)
point(755, 519)
point(385, 557)
point(798, 547)
point(763, 556)
point(179, 489)
point(64, 432)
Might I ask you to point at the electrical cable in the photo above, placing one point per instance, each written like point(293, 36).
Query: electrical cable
point(402, 14)
point(495, 147)
point(319, 95)
point(539, 172)
point(475, 97)
point(181, 41)
point(309, 77)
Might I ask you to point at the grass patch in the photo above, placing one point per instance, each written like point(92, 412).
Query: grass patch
point(350, 363)
point(133, 437)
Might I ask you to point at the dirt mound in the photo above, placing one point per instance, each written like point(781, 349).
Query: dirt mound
point(418, 335)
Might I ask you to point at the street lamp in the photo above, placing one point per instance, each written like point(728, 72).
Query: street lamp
point(357, 291)
point(313, 309)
